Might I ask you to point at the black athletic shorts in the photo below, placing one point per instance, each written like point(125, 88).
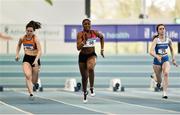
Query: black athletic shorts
point(84, 57)
point(30, 60)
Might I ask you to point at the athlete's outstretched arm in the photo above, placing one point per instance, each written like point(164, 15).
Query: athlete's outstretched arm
point(6, 37)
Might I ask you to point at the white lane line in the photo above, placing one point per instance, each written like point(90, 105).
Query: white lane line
point(94, 110)
point(146, 107)
point(150, 93)
point(13, 107)
point(90, 109)
point(140, 105)
point(133, 93)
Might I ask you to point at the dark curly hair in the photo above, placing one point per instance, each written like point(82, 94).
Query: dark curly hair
point(86, 20)
point(34, 25)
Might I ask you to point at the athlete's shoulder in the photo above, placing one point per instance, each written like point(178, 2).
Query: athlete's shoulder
point(80, 32)
point(95, 31)
point(35, 37)
point(168, 39)
point(156, 39)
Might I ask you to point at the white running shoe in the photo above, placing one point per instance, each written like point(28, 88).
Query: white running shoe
point(92, 92)
point(85, 97)
point(85, 101)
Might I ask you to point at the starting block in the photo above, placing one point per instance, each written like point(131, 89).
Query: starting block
point(115, 85)
point(72, 85)
point(78, 87)
point(1, 88)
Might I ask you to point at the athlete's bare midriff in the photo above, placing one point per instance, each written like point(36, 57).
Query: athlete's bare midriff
point(87, 50)
point(31, 52)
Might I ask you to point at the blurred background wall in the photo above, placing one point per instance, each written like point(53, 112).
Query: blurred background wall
point(15, 14)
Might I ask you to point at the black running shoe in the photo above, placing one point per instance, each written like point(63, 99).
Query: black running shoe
point(158, 85)
point(34, 88)
point(165, 97)
point(36, 85)
point(31, 97)
point(152, 76)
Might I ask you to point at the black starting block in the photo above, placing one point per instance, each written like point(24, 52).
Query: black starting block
point(118, 88)
point(115, 85)
point(122, 89)
point(41, 89)
point(1, 88)
point(78, 87)
point(36, 87)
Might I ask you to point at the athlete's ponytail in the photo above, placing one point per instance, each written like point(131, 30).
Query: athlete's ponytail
point(34, 25)
point(155, 36)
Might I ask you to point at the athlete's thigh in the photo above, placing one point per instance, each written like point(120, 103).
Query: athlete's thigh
point(82, 68)
point(91, 62)
point(166, 67)
point(35, 71)
point(27, 69)
point(157, 70)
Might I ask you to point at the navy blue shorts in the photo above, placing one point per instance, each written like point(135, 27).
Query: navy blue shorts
point(163, 59)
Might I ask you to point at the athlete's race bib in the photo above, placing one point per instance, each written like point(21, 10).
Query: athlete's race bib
point(28, 47)
point(90, 42)
point(162, 51)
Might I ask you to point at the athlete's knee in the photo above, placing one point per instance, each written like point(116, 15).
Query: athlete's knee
point(84, 77)
point(166, 74)
point(28, 74)
point(36, 69)
point(28, 77)
point(90, 67)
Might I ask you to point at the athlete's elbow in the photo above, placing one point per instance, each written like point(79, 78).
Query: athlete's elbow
point(39, 52)
point(78, 48)
point(102, 38)
point(151, 53)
